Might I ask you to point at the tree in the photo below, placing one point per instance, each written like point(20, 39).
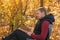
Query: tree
point(42, 3)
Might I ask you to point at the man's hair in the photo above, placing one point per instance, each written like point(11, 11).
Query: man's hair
point(42, 9)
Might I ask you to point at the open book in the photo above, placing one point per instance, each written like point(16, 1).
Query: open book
point(24, 29)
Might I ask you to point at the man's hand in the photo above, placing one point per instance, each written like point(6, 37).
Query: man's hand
point(29, 33)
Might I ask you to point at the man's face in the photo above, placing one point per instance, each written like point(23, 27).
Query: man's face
point(39, 14)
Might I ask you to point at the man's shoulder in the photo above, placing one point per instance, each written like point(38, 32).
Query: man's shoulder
point(45, 22)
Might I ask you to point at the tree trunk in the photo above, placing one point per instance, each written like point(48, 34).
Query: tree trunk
point(41, 2)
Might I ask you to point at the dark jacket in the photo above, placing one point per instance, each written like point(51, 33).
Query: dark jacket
point(43, 28)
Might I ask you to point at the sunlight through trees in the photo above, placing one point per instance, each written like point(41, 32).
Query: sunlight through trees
point(16, 14)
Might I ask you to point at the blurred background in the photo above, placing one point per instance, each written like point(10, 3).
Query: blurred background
point(17, 14)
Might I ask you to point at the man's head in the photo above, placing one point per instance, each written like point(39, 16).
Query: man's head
point(40, 12)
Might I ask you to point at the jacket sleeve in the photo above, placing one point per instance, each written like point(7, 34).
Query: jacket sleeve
point(44, 31)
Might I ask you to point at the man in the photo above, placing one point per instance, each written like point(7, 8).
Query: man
point(43, 27)
point(41, 31)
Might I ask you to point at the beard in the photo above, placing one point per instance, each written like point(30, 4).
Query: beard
point(36, 17)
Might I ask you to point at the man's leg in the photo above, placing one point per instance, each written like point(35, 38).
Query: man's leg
point(18, 35)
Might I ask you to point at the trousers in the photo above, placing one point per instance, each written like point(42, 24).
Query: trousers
point(18, 35)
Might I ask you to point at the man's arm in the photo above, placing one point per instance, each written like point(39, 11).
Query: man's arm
point(44, 31)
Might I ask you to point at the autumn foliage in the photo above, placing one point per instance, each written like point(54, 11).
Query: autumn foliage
point(17, 14)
